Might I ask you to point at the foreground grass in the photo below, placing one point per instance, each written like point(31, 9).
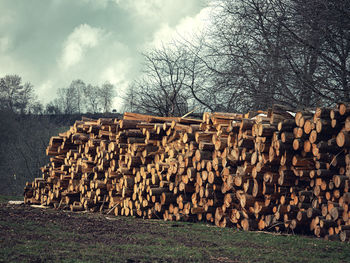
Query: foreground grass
point(51, 236)
point(6, 198)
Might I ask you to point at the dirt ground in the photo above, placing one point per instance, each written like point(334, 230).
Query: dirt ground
point(46, 235)
point(95, 227)
point(20, 223)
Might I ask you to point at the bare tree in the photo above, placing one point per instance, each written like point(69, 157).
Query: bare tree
point(92, 101)
point(172, 83)
point(71, 99)
point(294, 52)
point(256, 53)
point(79, 97)
point(106, 95)
point(76, 88)
point(161, 88)
point(247, 52)
point(130, 102)
point(323, 28)
point(66, 100)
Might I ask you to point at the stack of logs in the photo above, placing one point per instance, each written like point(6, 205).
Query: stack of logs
point(274, 170)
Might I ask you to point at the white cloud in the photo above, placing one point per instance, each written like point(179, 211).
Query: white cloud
point(117, 74)
point(142, 7)
point(113, 74)
point(96, 3)
point(78, 42)
point(45, 89)
point(187, 29)
point(157, 9)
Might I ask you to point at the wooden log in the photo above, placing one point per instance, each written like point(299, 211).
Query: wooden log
point(343, 139)
point(344, 235)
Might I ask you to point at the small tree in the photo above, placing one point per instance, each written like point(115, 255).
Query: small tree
point(76, 88)
point(106, 95)
point(92, 101)
point(53, 107)
point(14, 96)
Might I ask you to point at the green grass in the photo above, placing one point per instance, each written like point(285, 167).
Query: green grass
point(5, 198)
point(137, 240)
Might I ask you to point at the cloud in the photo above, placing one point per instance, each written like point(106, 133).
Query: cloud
point(158, 10)
point(118, 74)
point(4, 44)
point(187, 28)
point(142, 7)
point(7, 18)
point(45, 89)
point(96, 3)
point(83, 38)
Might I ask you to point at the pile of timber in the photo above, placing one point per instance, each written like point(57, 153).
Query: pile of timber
point(273, 171)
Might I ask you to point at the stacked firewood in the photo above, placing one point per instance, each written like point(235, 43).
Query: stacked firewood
point(276, 170)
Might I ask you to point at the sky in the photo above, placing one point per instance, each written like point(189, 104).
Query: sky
point(49, 43)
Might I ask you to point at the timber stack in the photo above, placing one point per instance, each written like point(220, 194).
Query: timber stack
point(274, 170)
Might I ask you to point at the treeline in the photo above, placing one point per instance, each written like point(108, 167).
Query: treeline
point(26, 125)
point(78, 97)
point(253, 54)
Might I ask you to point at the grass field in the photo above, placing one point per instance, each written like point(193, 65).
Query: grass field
point(6, 198)
point(45, 235)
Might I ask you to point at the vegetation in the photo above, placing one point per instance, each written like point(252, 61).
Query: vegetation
point(6, 198)
point(26, 125)
point(254, 53)
point(34, 235)
point(22, 149)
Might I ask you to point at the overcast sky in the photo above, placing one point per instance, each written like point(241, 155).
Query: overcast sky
point(52, 42)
